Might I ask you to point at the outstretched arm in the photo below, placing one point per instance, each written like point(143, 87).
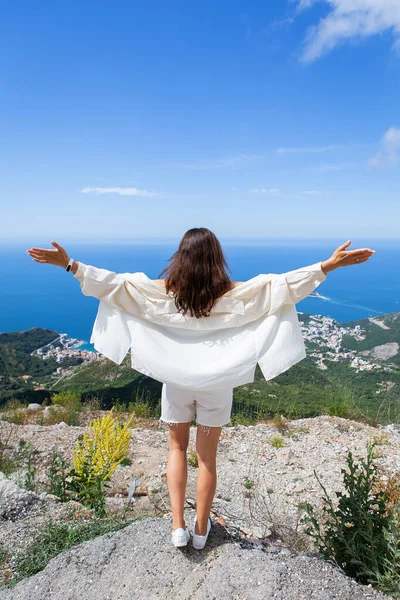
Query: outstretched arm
point(344, 258)
point(301, 282)
point(118, 289)
point(100, 283)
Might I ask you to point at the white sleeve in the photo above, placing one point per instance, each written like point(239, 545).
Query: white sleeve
point(301, 282)
point(293, 286)
point(111, 287)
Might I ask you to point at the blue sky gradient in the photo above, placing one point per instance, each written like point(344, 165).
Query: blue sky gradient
point(123, 121)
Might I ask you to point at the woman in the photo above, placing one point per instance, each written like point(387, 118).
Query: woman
point(201, 334)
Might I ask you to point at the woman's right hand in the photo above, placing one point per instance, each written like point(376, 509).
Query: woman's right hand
point(58, 257)
point(344, 258)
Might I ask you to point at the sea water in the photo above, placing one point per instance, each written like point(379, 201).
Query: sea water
point(40, 295)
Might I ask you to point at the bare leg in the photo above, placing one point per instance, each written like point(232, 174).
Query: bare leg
point(206, 448)
point(177, 471)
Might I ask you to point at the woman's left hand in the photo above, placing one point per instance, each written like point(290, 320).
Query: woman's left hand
point(58, 257)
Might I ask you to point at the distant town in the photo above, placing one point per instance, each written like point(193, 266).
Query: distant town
point(328, 333)
point(60, 349)
point(320, 330)
point(63, 347)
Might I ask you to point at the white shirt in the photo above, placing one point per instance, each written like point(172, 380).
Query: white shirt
point(255, 322)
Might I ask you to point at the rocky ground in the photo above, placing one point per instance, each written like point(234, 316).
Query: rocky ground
point(259, 488)
point(138, 562)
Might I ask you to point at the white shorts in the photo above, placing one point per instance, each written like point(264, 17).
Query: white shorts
point(213, 407)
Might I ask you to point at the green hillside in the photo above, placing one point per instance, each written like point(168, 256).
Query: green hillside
point(16, 361)
point(108, 381)
point(324, 381)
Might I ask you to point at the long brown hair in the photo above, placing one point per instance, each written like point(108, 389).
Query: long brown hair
point(197, 272)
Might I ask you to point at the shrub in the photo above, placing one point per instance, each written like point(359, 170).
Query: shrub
point(389, 580)
point(29, 457)
point(192, 458)
point(69, 399)
point(240, 419)
point(280, 423)
point(142, 404)
point(58, 414)
point(355, 533)
point(141, 410)
point(95, 459)
point(276, 441)
point(340, 408)
point(13, 404)
point(6, 464)
point(57, 476)
point(381, 439)
point(19, 416)
point(70, 405)
point(92, 403)
point(391, 486)
point(249, 483)
point(119, 409)
point(25, 456)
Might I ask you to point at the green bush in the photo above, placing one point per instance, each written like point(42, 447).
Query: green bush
point(13, 404)
point(71, 405)
point(276, 441)
point(24, 457)
point(18, 417)
point(57, 476)
point(192, 458)
point(240, 419)
point(361, 535)
point(69, 399)
point(340, 408)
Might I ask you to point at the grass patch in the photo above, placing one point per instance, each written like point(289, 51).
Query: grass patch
point(276, 441)
point(241, 419)
point(56, 538)
point(192, 458)
point(281, 424)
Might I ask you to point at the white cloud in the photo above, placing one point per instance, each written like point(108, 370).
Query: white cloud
point(347, 20)
point(326, 167)
point(122, 191)
point(304, 149)
point(264, 191)
point(228, 162)
point(305, 3)
point(390, 149)
point(310, 193)
point(281, 22)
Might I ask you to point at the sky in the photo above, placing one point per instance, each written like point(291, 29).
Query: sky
point(125, 121)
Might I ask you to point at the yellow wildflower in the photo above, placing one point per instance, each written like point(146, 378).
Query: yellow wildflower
point(100, 451)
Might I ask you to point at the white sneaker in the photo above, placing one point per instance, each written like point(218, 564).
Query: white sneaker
point(199, 541)
point(180, 537)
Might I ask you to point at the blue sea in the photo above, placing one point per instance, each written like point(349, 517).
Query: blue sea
point(40, 295)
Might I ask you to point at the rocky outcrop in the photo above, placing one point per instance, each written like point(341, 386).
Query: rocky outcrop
point(260, 484)
point(140, 562)
point(15, 502)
